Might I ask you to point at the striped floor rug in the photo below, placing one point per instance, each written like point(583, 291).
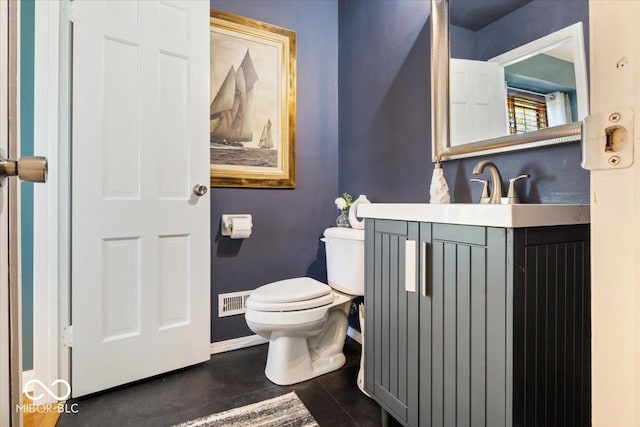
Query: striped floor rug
point(286, 410)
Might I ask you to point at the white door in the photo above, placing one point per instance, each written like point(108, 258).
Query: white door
point(5, 387)
point(10, 312)
point(615, 219)
point(140, 236)
point(478, 101)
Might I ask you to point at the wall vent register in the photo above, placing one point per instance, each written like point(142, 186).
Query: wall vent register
point(232, 303)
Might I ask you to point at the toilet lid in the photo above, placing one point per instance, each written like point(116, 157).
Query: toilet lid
point(290, 295)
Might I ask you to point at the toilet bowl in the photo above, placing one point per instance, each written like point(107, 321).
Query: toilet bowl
point(305, 320)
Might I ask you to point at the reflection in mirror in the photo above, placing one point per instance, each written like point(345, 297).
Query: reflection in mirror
point(531, 87)
point(527, 96)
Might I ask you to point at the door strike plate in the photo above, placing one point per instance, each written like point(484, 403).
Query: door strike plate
point(608, 139)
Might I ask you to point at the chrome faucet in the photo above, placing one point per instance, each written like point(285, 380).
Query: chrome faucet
point(496, 180)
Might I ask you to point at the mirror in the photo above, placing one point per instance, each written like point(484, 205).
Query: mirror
point(502, 91)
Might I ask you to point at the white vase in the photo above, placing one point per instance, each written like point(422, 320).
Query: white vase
point(353, 210)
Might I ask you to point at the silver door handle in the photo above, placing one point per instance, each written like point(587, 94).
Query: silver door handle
point(410, 265)
point(200, 190)
point(423, 268)
point(32, 168)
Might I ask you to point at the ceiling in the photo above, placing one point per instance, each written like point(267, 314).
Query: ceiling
point(476, 14)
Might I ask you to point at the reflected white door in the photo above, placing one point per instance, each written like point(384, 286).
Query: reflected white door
point(140, 237)
point(478, 101)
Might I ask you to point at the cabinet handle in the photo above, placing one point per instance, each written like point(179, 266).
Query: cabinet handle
point(410, 265)
point(423, 268)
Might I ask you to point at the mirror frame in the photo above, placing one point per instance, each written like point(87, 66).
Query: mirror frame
point(441, 148)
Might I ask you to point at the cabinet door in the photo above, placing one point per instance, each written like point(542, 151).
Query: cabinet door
point(467, 364)
point(551, 327)
point(391, 301)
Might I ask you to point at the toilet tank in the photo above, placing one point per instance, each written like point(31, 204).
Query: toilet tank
point(344, 249)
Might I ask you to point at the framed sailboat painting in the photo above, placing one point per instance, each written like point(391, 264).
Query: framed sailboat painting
point(252, 103)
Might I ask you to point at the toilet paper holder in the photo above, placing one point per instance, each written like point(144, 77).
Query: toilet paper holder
point(227, 222)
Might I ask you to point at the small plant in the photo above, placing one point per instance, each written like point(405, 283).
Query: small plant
point(343, 203)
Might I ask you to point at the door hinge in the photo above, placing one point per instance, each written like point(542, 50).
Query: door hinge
point(67, 336)
point(69, 10)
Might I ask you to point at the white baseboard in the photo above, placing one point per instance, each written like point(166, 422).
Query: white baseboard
point(355, 334)
point(251, 340)
point(237, 343)
point(27, 376)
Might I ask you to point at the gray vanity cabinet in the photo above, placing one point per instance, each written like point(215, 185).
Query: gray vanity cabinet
point(502, 325)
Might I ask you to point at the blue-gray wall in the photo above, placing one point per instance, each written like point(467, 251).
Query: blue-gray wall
point(532, 21)
point(385, 99)
point(385, 147)
point(27, 35)
point(286, 223)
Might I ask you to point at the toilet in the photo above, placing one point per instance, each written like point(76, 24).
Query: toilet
point(306, 320)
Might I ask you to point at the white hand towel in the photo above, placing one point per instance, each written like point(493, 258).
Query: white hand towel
point(439, 190)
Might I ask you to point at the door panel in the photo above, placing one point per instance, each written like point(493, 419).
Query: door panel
point(391, 368)
point(468, 327)
point(140, 255)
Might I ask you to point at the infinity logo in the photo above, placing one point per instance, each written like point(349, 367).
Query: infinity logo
point(49, 391)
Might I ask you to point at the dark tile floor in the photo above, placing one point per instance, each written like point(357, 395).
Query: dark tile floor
point(228, 380)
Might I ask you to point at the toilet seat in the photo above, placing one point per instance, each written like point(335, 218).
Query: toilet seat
point(301, 293)
point(298, 318)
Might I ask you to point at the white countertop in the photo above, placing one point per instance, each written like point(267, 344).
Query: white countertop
point(508, 216)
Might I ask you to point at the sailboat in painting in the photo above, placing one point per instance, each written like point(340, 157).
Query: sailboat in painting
point(231, 112)
point(266, 140)
point(234, 125)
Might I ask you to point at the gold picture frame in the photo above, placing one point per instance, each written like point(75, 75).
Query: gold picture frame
point(252, 103)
